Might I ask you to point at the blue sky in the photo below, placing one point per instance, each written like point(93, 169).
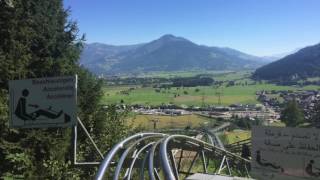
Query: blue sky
point(258, 27)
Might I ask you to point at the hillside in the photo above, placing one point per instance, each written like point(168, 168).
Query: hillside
point(168, 53)
point(304, 63)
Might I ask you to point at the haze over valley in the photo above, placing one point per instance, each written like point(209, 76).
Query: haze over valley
point(168, 53)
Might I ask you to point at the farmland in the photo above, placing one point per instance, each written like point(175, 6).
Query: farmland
point(235, 136)
point(242, 92)
point(165, 122)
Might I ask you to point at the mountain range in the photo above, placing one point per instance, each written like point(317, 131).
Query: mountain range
point(168, 53)
point(275, 57)
point(304, 63)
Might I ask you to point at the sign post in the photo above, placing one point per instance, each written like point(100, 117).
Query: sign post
point(285, 153)
point(43, 102)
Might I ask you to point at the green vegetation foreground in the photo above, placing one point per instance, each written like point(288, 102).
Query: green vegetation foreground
point(37, 40)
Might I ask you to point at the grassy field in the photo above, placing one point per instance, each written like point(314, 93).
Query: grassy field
point(144, 121)
point(244, 92)
point(181, 74)
point(240, 75)
point(278, 124)
point(235, 136)
point(189, 96)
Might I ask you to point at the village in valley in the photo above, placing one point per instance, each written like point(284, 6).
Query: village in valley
point(228, 96)
point(193, 90)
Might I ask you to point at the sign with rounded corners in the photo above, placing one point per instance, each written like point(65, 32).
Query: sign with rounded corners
point(43, 102)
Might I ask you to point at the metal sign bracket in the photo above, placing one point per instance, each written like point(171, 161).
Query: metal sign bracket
point(75, 145)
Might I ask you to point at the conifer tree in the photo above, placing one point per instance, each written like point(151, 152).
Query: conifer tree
point(315, 115)
point(38, 40)
point(292, 115)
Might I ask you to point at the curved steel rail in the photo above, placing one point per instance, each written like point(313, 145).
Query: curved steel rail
point(107, 160)
point(136, 157)
point(151, 169)
point(125, 154)
point(147, 146)
point(168, 171)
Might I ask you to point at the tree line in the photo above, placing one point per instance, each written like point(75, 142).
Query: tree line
point(157, 82)
point(293, 116)
point(39, 40)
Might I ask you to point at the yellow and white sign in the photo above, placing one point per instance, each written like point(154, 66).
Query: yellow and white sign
point(43, 102)
point(285, 153)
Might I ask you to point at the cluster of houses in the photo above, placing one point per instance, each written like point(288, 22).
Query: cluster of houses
point(307, 99)
point(269, 99)
point(271, 104)
point(164, 112)
point(252, 112)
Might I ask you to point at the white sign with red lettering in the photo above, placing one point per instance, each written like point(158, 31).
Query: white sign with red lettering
point(43, 102)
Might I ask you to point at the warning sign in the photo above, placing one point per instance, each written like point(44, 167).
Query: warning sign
point(43, 102)
point(285, 153)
